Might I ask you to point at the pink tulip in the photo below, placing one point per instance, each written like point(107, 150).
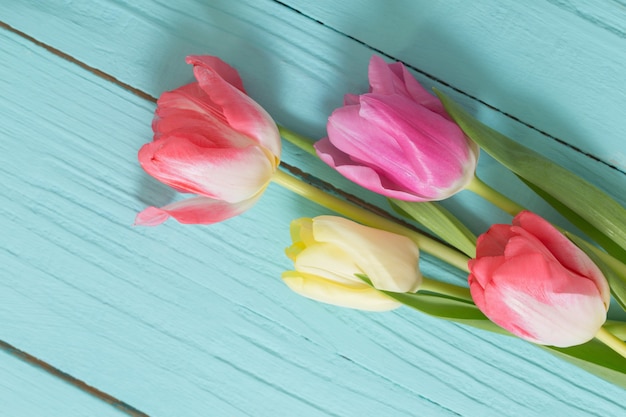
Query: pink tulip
point(531, 280)
point(397, 140)
point(212, 140)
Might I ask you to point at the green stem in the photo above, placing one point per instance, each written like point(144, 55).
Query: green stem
point(300, 141)
point(477, 186)
point(368, 218)
point(611, 341)
point(443, 288)
point(618, 328)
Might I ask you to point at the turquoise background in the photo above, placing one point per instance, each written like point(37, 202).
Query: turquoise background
point(194, 320)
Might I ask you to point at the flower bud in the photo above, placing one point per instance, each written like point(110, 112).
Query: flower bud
point(534, 282)
point(212, 140)
point(328, 252)
point(397, 140)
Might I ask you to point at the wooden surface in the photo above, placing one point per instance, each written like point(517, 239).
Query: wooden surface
point(194, 321)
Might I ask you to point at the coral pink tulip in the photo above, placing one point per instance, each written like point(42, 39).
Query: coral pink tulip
point(212, 140)
point(397, 140)
point(531, 280)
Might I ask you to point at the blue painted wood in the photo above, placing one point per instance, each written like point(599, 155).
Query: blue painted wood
point(295, 66)
point(555, 64)
point(181, 320)
point(27, 391)
point(551, 63)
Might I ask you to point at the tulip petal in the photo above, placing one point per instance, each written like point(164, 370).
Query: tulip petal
point(329, 262)
point(225, 71)
point(361, 174)
point(242, 113)
point(494, 241)
point(350, 99)
point(189, 109)
point(477, 290)
point(326, 291)
point(196, 210)
point(188, 102)
point(210, 139)
point(366, 154)
point(421, 96)
point(301, 230)
point(401, 137)
point(395, 78)
point(435, 150)
point(536, 299)
point(427, 133)
point(575, 322)
point(151, 216)
point(568, 254)
point(382, 78)
point(229, 174)
point(356, 136)
point(482, 269)
point(523, 243)
point(542, 278)
point(389, 260)
point(519, 281)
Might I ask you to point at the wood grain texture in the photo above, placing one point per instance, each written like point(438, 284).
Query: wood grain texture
point(50, 372)
point(181, 320)
point(27, 391)
point(555, 64)
point(295, 66)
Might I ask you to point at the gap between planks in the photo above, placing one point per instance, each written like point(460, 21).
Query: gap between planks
point(146, 96)
point(20, 354)
point(38, 363)
point(455, 89)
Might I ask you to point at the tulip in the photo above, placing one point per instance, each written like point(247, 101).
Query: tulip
point(534, 282)
point(212, 140)
point(328, 253)
point(397, 140)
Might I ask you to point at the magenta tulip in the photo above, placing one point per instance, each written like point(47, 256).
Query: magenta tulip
point(212, 140)
point(534, 282)
point(397, 140)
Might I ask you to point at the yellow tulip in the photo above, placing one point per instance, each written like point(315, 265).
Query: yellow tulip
point(328, 252)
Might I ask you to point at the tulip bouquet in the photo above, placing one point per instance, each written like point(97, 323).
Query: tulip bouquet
point(528, 279)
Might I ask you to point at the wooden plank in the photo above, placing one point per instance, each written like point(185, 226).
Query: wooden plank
point(298, 68)
point(26, 390)
point(187, 319)
point(184, 319)
point(557, 65)
point(578, 73)
point(147, 314)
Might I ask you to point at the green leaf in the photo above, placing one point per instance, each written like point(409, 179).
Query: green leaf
point(439, 221)
point(581, 197)
point(618, 328)
point(595, 358)
point(447, 308)
point(613, 270)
